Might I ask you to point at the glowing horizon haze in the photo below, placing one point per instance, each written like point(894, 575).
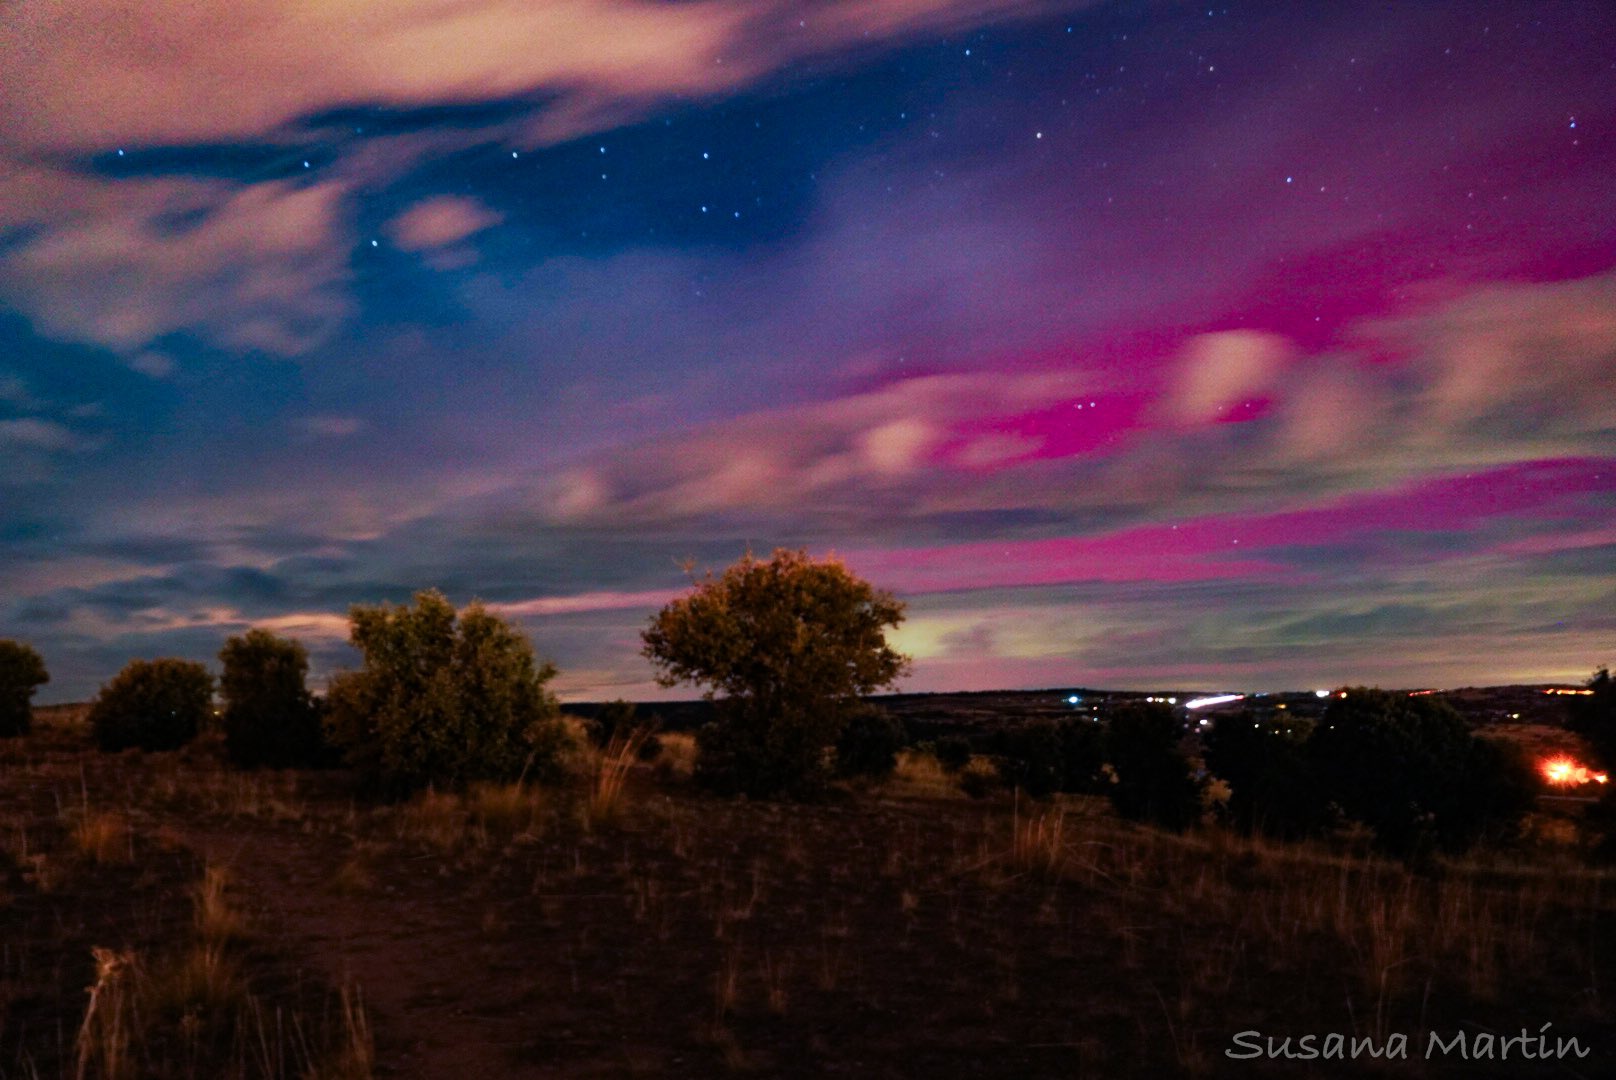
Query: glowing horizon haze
point(1134, 345)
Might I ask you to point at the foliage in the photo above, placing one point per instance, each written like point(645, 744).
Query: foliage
point(153, 705)
point(1030, 758)
point(1410, 769)
point(270, 718)
point(953, 752)
point(22, 671)
point(1266, 763)
point(1155, 780)
point(1593, 716)
point(614, 718)
point(443, 698)
point(869, 744)
point(1046, 756)
point(786, 647)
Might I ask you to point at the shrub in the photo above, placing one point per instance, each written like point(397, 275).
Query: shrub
point(1082, 743)
point(1155, 781)
point(1031, 758)
point(786, 649)
point(22, 671)
point(869, 744)
point(443, 699)
point(1410, 769)
point(270, 718)
point(614, 718)
point(153, 705)
point(1272, 784)
point(1593, 716)
point(953, 752)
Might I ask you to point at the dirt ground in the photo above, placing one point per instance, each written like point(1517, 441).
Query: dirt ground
point(895, 932)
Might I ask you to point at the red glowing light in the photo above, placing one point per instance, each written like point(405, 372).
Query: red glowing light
point(1563, 771)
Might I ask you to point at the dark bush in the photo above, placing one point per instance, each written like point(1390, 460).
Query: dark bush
point(270, 718)
point(1410, 769)
point(953, 752)
point(1593, 716)
point(1155, 780)
point(1032, 758)
point(1272, 785)
point(869, 744)
point(443, 698)
point(22, 671)
point(650, 749)
point(1082, 755)
point(614, 718)
point(746, 752)
point(975, 784)
point(153, 705)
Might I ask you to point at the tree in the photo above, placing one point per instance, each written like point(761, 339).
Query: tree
point(1593, 716)
point(270, 718)
point(1155, 780)
point(786, 648)
point(443, 698)
point(1272, 786)
point(1410, 769)
point(22, 671)
point(153, 705)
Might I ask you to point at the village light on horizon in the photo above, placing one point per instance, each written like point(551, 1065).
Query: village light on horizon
point(1215, 699)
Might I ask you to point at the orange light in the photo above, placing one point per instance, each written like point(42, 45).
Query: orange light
point(1558, 690)
point(1563, 771)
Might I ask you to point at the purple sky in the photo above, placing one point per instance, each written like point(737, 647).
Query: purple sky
point(1133, 344)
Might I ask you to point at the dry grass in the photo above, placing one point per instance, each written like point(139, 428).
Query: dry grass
point(102, 837)
point(1038, 841)
point(106, 1036)
point(604, 804)
point(435, 819)
point(506, 810)
point(919, 775)
point(678, 758)
point(218, 923)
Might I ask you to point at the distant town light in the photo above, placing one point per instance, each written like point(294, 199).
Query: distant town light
point(1074, 700)
point(1215, 699)
point(1321, 693)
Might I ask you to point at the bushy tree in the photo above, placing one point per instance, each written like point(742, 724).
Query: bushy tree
point(443, 698)
point(1155, 780)
point(153, 705)
point(869, 744)
point(786, 648)
point(1410, 769)
point(22, 671)
point(270, 718)
point(1272, 785)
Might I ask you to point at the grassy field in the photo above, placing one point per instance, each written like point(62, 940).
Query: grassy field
point(166, 916)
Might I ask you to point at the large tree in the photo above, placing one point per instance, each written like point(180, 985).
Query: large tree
point(787, 648)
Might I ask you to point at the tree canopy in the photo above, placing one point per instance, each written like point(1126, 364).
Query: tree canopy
point(788, 646)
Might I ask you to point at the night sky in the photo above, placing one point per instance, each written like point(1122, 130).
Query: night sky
point(1249, 346)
